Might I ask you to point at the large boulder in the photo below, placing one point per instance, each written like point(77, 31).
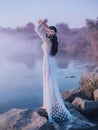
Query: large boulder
point(88, 108)
point(70, 95)
point(88, 83)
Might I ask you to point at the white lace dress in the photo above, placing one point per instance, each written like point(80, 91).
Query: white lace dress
point(52, 100)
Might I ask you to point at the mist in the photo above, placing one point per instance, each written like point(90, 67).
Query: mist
point(20, 66)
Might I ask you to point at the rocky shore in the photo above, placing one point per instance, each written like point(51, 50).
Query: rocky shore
point(82, 102)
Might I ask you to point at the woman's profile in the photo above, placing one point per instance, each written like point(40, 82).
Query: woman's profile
point(52, 100)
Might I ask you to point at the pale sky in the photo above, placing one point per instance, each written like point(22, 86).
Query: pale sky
point(15, 13)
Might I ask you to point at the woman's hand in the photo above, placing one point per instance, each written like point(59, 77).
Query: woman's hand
point(45, 24)
point(42, 21)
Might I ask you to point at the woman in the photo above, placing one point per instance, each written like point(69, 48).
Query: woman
point(52, 101)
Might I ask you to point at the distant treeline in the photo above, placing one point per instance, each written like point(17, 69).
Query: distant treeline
point(76, 43)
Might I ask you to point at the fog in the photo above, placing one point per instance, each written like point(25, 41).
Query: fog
point(18, 50)
point(20, 67)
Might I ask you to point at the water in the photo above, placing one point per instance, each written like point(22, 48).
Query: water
point(21, 86)
point(69, 77)
point(21, 73)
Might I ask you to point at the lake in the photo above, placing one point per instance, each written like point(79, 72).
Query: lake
point(21, 86)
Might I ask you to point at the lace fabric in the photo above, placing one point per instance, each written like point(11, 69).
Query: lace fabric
point(53, 102)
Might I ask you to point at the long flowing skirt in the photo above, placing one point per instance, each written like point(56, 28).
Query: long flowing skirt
point(52, 100)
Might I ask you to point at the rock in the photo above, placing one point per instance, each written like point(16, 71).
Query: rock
point(91, 107)
point(79, 121)
point(22, 119)
point(72, 94)
point(91, 110)
point(72, 76)
point(42, 112)
point(88, 108)
point(66, 95)
point(88, 83)
point(79, 103)
point(96, 94)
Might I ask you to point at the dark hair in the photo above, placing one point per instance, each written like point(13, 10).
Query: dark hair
point(53, 38)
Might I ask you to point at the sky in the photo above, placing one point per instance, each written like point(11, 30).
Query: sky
point(15, 13)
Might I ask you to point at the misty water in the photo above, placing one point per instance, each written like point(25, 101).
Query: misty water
point(21, 73)
point(21, 86)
